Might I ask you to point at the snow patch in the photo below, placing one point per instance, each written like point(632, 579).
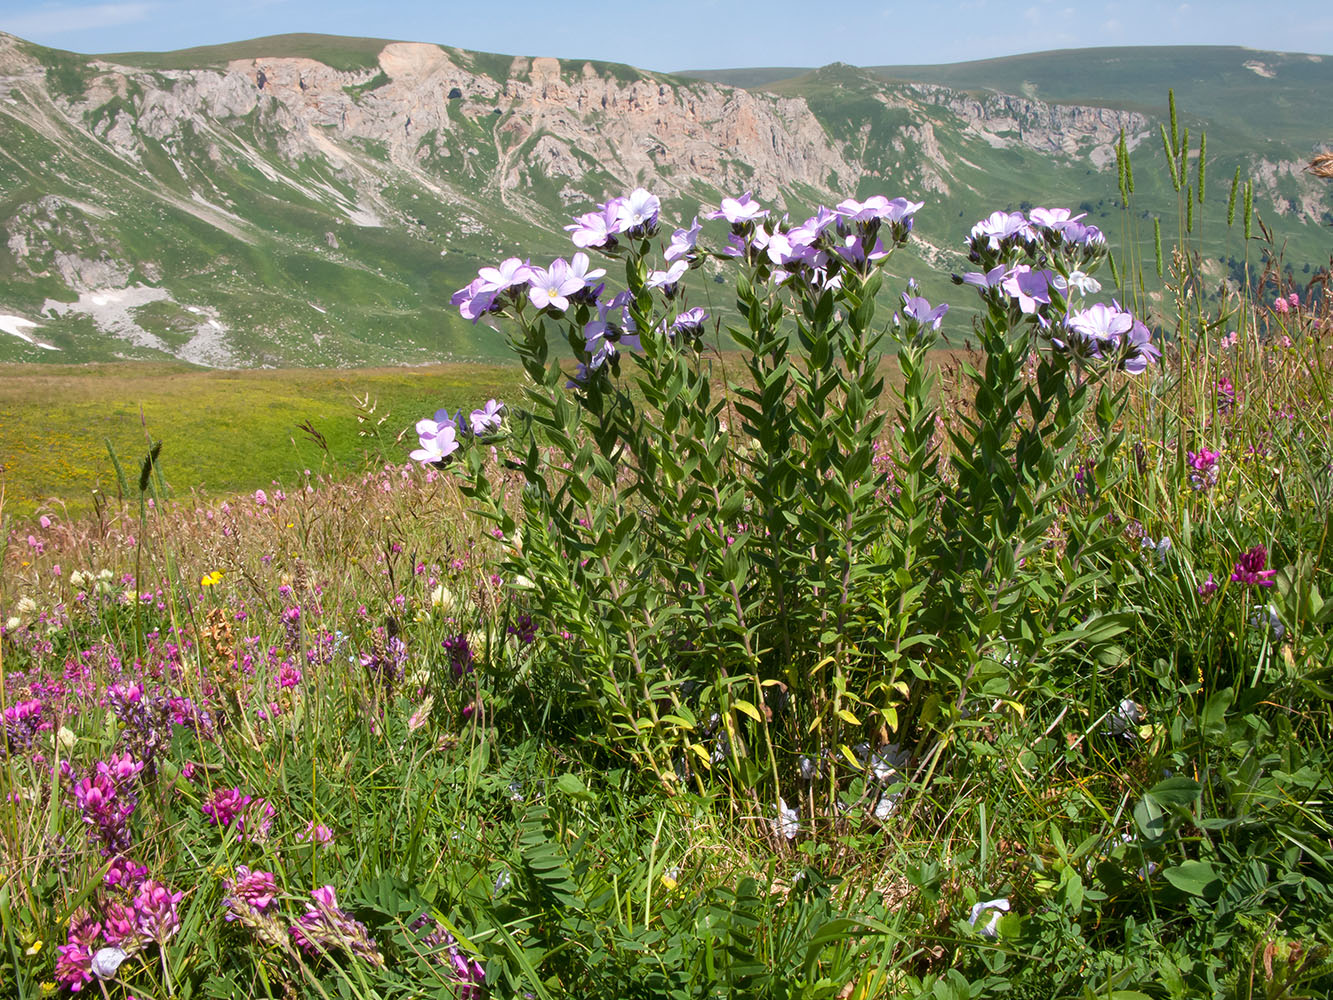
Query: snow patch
point(17, 326)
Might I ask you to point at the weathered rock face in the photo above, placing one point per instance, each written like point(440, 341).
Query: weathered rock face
point(557, 119)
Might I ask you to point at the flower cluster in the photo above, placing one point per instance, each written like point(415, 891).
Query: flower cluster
point(325, 926)
point(1034, 265)
point(1203, 468)
point(1251, 570)
point(250, 818)
point(126, 927)
point(442, 435)
point(107, 800)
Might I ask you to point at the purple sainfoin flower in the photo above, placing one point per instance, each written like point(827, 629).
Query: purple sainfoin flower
point(917, 308)
point(22, 721)
point(1203, 464)
point(739, 212)
point(250, 892)
point(438, 441)
point(683, 243)
point(637, 213)
point(124, 873)
point(155, 906)
point(325, 926)
point(470, 976)
point(255, 821)
point(120, 923)
point(106, 808)
point(1251, 570)
point(1226, 395)
point(524, 629)
point(74, 966)
point(1208, 587)
point(487, 419)
point(550, 287)
point(460, 654)
point(1031, 288)
point(225, 806)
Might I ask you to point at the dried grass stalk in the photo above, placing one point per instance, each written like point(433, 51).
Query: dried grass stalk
point(1322, 165)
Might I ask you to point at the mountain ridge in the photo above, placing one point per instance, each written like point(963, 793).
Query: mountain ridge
point(282, 209)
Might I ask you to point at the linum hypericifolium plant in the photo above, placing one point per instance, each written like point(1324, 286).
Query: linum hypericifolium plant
point(726, 594)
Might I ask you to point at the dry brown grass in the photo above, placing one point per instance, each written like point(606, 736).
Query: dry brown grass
point(1322, 165)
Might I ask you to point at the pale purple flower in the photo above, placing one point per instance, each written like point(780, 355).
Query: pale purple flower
point(683, 242)
point(475, 301)
point(438, 441)
point(1031, 288)
point(1000, 226)
point(597, 230)
point(919, 309)
point(668, 280)
point(739, 211)
point(578, 268)
point(690, 323)
point(1208, 587)
point(1080, 235)
point(792, 247)
point(106, 962)
point(1139, 350)
point(637, 213)
point(1100, 324)
point(487, 419)
point(551, 287)
point(512, 273)
point(1079, 281)
point(1052, 218)
point(991, 279)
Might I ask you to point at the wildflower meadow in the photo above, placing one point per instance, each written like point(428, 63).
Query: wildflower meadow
point(818, 641)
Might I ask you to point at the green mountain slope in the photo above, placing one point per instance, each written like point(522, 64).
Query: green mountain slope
point(305, 200)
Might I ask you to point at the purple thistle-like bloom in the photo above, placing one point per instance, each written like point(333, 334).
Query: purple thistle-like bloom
point(487, 419)
point(1031, 288)
point(739, 211)
point(919, 309)
point(155, 905)
point(1251, 570)
point(683, 242)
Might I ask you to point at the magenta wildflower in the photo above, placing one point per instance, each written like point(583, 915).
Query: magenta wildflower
point(155, 905)
point(120, 923)
point(1208, 587)
point(325, 926)
point(1203, 464)
point(74, 967)
point(1251, 570)
point(249, 893)
point(225, 805)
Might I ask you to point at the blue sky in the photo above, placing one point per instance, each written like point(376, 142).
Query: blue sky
point(693, 34)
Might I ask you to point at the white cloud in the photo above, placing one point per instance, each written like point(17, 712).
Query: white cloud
point(59, 20)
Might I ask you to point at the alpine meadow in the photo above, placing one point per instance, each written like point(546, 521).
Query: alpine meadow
point(480, 526)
